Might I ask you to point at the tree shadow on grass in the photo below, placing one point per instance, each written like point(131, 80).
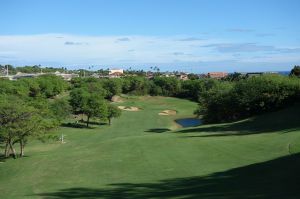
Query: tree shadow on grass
point(285, 121)
point(76, 125)
point(2, 158)
point(82, 124)
point(95, 123)
point(278, 178)
point(158, 130)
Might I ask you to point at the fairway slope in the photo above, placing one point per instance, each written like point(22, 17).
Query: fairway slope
point(278, 178)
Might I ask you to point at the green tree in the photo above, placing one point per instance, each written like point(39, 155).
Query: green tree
point(18, 121)
point(95, 106)
point(112, 112)
point(295, 71)
point(61, 109)
point(51, 85)
point(113, 87)
point(78, 98)
point(88, 103)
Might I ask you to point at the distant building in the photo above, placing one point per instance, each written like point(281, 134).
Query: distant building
point(149, 75)
point(115, 73)
point(182, 76)
point(217, 75)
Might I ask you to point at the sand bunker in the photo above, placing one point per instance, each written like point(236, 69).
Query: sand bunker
point(116, 98)
point(168, 112)
point(128, 108)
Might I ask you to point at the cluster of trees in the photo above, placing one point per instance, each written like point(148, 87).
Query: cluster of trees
point(23, 119)
point(92, 105)
point(137, 85)
point(230, 101)
point(28, 108)
point(90, 97)
point(43, 86)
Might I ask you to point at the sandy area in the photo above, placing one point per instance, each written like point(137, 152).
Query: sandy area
point(128, 108)
point(116, 98)
point(168, 112)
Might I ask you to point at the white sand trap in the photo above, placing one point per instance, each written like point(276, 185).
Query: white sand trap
point(168, 112)
point(128, 108)
point(116, 98)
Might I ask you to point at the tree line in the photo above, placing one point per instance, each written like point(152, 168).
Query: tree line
point(31, 108)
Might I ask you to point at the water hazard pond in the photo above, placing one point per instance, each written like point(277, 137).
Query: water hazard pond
point(188, 122)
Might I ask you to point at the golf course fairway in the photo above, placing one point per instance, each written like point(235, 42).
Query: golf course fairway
point(147, 155)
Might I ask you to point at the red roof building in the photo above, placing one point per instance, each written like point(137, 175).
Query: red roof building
point(217, 75)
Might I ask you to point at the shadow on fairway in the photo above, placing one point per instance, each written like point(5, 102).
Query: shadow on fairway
point(278, 178)
point(285, 121)
point(75, 125)
point(158, 130)
point(82, 125)
point(96, 123)
point(2, 158)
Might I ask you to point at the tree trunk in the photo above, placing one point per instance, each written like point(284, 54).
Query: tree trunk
point(12, 149)
point(109, 121)
point(88, 121)
point(6, 152)
point(21, 148)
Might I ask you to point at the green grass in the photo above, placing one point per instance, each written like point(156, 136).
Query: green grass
point(144, 155)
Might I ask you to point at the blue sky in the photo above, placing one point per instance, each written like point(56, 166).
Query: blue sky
point(188, 35)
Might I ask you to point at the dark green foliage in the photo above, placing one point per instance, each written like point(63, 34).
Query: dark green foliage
point(86, 100)
point(170, 86)
point(51, 85)
point(234, 77)
point(32, 86)
point(77, 100)
point(193, 76)
point(248, 97)
point(112, 112)
point(95, 106)
point(135, 85)
point(20, 120)
point(193, 89)
point(60, 108)
point(295, 71)
point(44, 86)
point(112, 87)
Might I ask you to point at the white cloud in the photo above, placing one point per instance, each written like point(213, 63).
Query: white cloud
point(73, 49)
point(76, 51)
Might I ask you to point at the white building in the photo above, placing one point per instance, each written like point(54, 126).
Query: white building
point(116, 71)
